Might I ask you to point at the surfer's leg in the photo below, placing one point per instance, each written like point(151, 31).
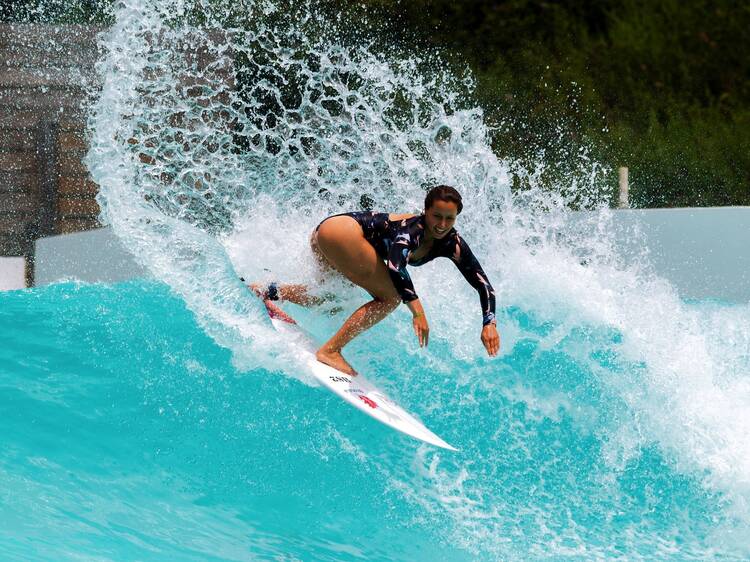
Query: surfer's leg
point(297, 293)
point(364, 318)
point(341, 242)
point(294, 293)
point(320, 260)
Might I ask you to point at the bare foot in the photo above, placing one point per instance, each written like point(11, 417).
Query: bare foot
point(336, 360)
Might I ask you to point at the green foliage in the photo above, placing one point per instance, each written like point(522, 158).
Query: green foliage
point(661, 87)
point(694, 158)
point(56, 11)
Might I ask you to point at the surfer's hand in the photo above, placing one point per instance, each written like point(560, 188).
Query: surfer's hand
point(491, 339)
point(421, 328)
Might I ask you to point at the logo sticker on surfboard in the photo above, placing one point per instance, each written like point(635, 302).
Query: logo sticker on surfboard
point(370, 402)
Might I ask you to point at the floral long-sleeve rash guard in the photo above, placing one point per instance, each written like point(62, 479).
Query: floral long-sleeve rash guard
point(394, 241)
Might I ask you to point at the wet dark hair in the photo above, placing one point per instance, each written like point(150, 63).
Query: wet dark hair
point(443, 193)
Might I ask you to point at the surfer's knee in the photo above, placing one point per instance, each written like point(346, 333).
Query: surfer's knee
point(390, 302)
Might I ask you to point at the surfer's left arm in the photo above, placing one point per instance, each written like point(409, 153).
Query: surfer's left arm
point(469, 267)
point(398, 256)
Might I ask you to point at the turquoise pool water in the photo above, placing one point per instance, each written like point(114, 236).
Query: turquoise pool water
point(127, 434)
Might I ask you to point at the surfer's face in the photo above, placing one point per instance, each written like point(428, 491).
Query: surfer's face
point(440, 218)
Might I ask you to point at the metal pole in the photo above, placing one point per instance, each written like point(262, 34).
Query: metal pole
point(47, 157)
point(623, 202)
point(45, 223)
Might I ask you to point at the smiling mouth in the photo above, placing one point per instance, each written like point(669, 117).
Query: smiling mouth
point(439, 231)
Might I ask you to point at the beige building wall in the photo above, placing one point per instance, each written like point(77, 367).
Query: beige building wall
point(46, 76)
point(45, 72)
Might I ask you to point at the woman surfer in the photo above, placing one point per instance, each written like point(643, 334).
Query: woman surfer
point(372, 250)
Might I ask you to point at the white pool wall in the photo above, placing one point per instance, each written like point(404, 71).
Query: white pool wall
point(12, 273)
point(93, 256)
point(703, 252)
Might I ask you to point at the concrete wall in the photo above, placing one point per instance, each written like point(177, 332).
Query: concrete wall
point(95, 256)
point(12, 273)
point(705, 253)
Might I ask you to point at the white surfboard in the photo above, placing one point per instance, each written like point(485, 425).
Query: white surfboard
point(357, 391)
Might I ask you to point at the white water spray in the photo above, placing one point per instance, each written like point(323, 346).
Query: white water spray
point(220, 141)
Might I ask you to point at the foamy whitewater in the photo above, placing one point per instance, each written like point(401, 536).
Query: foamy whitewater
point(164, 420)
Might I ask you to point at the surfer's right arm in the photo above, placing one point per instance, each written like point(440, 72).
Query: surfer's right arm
point(419, 321)
point(398, 255)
